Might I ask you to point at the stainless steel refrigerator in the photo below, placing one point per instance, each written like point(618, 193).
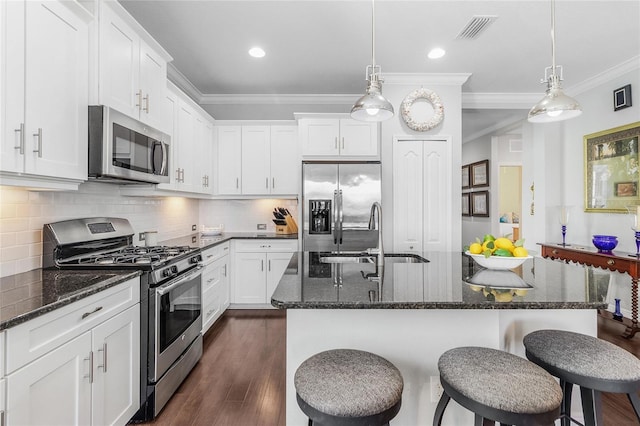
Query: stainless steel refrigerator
point(336, 205)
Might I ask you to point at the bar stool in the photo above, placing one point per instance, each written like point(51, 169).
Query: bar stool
point(497, 386)
point(348, 387)
point(591, 363)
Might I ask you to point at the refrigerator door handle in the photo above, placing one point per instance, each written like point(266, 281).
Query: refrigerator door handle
point(340, 214)
point(335, 217)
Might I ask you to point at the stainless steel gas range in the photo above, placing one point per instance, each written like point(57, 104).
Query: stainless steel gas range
point(170, 297)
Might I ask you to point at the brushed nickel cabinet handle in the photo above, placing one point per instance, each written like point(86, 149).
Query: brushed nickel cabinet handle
point(343, 142)
point(146, 104)
point(39, 142)
point(273, 183)
point(90, 359)
point(237, 183)
point(262, 265)
point(139, 99)
point(21, 143)
point(336, 144)
point(86, 314)
point(266, 183)
point(104, 357)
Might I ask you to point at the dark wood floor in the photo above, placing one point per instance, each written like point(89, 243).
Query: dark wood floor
point(241, 377)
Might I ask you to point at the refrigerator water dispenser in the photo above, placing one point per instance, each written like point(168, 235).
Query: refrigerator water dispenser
point(320, 216)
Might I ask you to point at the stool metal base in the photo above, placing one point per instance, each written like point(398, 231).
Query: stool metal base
point(318, 418)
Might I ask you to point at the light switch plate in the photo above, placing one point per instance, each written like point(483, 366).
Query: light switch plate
point(193, 227)
point(262, 226)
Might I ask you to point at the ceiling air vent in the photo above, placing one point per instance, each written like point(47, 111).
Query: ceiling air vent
point(476, 25)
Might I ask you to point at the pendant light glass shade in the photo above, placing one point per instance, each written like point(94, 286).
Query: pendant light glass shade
point(372, 106)
point(555, 106)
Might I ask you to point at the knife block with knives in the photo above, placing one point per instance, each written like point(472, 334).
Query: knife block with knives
point(285, 223)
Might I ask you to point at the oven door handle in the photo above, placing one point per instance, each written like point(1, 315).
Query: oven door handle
point(166, 288)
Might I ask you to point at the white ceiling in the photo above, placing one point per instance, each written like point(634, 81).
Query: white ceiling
point(323, 47)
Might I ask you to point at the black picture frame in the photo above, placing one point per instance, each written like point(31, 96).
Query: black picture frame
point(479, 173)
point(466, 178)
point(466, 204)
point(480, 203)
point(622, 98)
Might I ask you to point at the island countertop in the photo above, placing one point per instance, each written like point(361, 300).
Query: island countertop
point(448, 280)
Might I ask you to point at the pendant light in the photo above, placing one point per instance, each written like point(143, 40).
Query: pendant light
point(372, 106)
point(555, 106)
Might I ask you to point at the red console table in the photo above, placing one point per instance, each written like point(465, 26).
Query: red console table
point(623, 262)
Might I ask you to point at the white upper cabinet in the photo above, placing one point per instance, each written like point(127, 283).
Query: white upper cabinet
point(256, 164)
point(45, 90)
point(257, 160)
point(229, 159)
point(285, 161)
point(191, 131)
point(338, 137)
point(132, 75)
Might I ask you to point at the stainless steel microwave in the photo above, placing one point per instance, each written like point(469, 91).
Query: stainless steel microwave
point(123, 149)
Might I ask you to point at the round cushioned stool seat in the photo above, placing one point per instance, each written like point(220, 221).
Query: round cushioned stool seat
point(499, 386)
point(584, 360)
point(348, 383)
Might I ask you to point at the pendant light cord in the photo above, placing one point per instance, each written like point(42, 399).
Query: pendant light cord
point(373, 37)
point(553, 38)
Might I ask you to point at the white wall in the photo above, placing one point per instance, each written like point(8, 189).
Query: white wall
point(472, 227)
point(23, 213)
point(563, 165)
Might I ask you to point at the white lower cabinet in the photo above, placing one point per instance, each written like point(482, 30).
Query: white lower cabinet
point(215, 284)
point(258, 267)
point(92, 374)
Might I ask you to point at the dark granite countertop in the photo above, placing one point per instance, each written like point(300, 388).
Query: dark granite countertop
point(205, 241)
point(448, 281)
point(30, 294)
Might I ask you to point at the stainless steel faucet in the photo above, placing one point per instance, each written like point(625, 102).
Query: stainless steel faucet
point(378, 250)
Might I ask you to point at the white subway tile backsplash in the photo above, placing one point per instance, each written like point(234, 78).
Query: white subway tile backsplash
point(23, 214)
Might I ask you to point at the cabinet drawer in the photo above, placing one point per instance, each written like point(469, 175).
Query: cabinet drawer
point(266, 245)
point(211, 306)
point(212, 275)
point(32, 339)
point(214, 253)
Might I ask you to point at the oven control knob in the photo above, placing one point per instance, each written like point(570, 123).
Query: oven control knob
point(195, 259)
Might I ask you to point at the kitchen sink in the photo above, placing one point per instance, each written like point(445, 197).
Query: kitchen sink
point(366, 258)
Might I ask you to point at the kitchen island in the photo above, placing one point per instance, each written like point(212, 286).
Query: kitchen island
point(410, 312)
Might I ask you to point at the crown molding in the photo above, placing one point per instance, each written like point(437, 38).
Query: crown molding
point(183, 83)
point(500, 100)
point(294, 99)
point(605, 76)
point(442, 79)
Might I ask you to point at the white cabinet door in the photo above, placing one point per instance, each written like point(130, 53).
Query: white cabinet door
point(358, 138)
point(256, 153)
point(250, 277)
point(119, 64)
point(116, 368)
point(422, 195)
point(153, 84)
point(206, 156)
point(212, 307)
point(169, 126)
point(187, 156)
point(225, 283)
point(276, 265)
point(12, 86)
point(3, 408)
point(285, 161)
point(407, 196)
point(53, 390)
point(229, 159)
point(320, 137)
point(56, 91)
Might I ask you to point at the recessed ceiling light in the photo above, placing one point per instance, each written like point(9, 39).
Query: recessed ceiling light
point(436, 53)
point(256, 52)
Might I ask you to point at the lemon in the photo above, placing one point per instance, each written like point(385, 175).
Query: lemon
point(504, 243)
point(504, 296)
point(475, 248)
point(477, 288)
point(520, 292)
point(488, 245)
point(520, 252)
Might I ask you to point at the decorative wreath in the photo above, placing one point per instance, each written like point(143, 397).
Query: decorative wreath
point(433, 99)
